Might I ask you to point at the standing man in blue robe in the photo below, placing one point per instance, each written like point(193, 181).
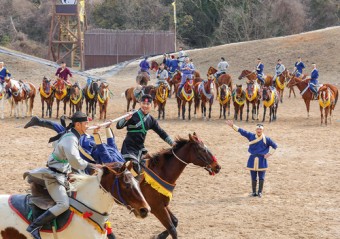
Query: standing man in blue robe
point(260, 149)
point(298, 67)
point(313, 83)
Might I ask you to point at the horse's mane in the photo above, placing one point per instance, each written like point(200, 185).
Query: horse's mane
point(77, 181)
point(166, 153)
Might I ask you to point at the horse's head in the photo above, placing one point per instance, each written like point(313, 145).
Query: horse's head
point(60, 85)
point(211, 70)
point(94, 88)
point(74, 91)
point(250, 88)
point(119, 181)
point(266, 93)
point(243, 74)
point(223, 90)
point(154, 65)
point(324, 93)
point(197, 153)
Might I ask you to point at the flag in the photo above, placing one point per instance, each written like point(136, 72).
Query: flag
point(174, 5)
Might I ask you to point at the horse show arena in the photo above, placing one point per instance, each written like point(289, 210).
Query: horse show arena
point(301, 191)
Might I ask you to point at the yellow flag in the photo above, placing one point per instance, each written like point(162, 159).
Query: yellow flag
point(82, 10)
point(174, 5)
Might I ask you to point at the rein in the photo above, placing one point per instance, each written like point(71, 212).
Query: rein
point(248, 74)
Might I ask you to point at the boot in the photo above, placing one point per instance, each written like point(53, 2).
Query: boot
point(253, 184)
point(37, 224)
point(261, 182)
point(36, 121)
point(111, 236)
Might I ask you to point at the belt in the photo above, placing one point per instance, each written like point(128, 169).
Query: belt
point(56, 171)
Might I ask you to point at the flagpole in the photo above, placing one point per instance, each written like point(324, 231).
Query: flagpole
point(175, 22)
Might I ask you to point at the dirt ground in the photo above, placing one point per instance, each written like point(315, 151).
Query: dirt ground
point(301, 192)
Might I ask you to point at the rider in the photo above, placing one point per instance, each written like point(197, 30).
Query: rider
point(260, 151)
point(299, 66)
point(259, 70)
point(91, 148)
point(222, 68)
point(64, 157)
point(145, 66)
point(187, 70)
point(279, 68)
point(3, 74)
point(173, 67)
point(181, 56)
point(162, 76)
point(138, 123)
point(313, 83)
point(166, 61)
point(64, 73)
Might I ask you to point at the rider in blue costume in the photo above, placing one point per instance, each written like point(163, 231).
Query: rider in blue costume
point(313, 83)
point(259, 70)
point(298, 67)
point(260, 148)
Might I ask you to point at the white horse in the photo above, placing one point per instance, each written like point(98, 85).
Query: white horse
point(97, 192)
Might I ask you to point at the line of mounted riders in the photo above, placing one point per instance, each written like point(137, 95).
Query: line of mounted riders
point(202, 92)
point(18, 92)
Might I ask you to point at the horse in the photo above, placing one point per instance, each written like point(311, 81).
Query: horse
point(185, 96)
point(252, 76)
point(224, 97)
point(306, 93)
point(76, 98)
point(176, 79)
point(239, 98)
point(253, 97)
point(327, 101)
point(222, 79)
point(95, 194)
point(61, 94)
point(130, 95)
point(103, 100)
point(22, 92)
point(143, 78)
point(161, 172)
point(204, 91)
point(46, 95)
point(160, 99)
point(280, 83)
point(270, 99)
point(91, 97)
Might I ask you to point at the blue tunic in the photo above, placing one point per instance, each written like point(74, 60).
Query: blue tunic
point(299, 68)
point(3, 73)
point(187, 73)
point(258, 147)
point(314, 77)
point(144, 65)
point(173, 65)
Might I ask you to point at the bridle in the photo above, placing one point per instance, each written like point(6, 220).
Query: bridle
point(207, 167)
point(248, 74)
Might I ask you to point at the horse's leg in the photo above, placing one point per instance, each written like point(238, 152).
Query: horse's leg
point(307, 102)
point(271, 113)
point(210, 110)
point(321, 111)
point(247, 110)
point(264, 113)
point(258, 109)
point(183, 109)
point(134, 104)
point(190, 103)
point(241, 112)
point(174, 221)
point(70, 109)
point(225, 111)
point(220, 111)
point(42, 107)
point(163, 107)
point(282, 96)
point(58, 101)
point(228, 105)
point(2, 106)
point(164, 217)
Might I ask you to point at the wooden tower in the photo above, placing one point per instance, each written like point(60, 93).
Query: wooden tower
point(66, 37)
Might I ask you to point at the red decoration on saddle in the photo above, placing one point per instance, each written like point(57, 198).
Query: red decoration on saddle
point(87, 214)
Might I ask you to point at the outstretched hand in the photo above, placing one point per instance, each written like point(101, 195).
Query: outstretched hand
point(129, 116)
point(96, 130)
point(230, 123)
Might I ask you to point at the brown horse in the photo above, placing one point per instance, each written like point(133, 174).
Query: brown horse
point(253, 97)
point(143, 78)
point(160, 99)
point(21, 92)
point(239, 98)
point(162, 171)
point(252, 76)
point(185, 96)
point(91, 96)
point(204, 91)
point(130, 95)
point(224, 97)
point(76, 98)
point(270, 99)
point(46, 95)
point(327, 101)
point(176, 79)
point(103, 100)
point(222, 79)
point(61, 94)
point(280, 83)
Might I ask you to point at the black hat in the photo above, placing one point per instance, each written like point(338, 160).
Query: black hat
point(222, 58)
point(146, 98)
point(79, 117)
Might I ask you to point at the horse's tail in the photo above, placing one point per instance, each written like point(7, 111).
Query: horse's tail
point(336, 97)
point(125, 93)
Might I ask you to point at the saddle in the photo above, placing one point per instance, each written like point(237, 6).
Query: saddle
point(138, 92)
point(26, 87)
point(31, 206)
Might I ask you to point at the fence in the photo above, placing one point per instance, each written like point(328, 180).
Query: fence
point(109, 47)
